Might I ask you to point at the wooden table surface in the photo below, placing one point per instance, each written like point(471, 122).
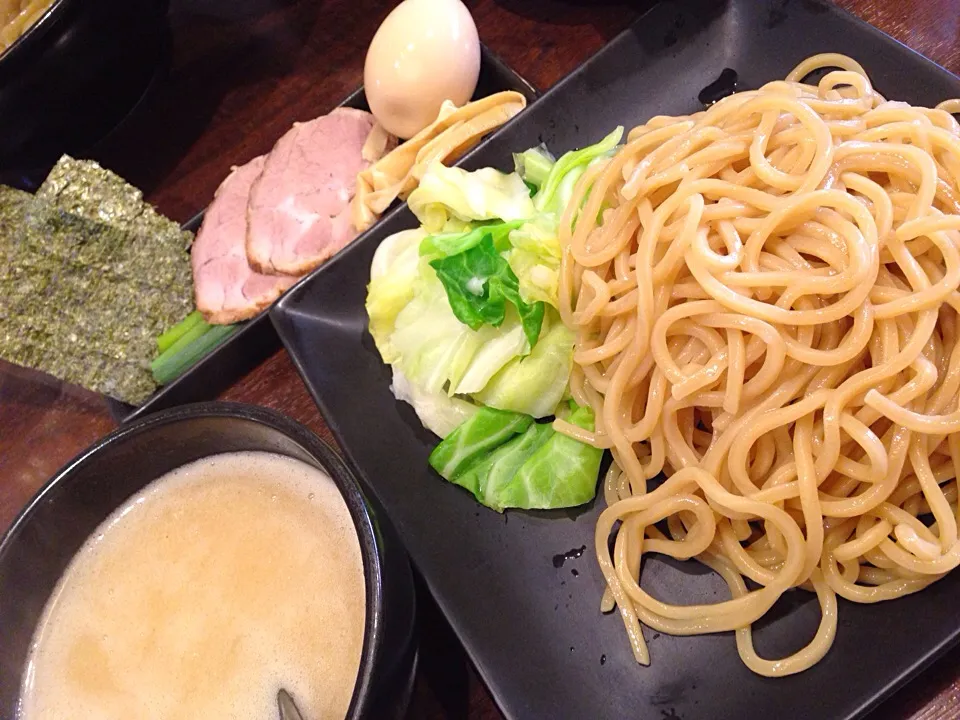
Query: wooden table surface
point(241, 72)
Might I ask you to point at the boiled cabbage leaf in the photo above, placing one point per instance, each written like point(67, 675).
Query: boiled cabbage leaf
point(465, 307)
point(451, 193)
point(454, 243)
point(555, 191)
point(534, 257)
point(534, 165)
point(437, 352)
point(484, 431)
point(496, 350)
point(562, 472)
point(534, 384)
point(479, 284)
point(440, 414)
point(488, 476)
point(509, 463)
point(393, 272)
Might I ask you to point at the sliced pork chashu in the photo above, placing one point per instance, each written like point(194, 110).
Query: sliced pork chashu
point(299, 209)
point(227, 289)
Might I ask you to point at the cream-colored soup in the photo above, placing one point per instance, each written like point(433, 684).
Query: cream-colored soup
point(220, 583)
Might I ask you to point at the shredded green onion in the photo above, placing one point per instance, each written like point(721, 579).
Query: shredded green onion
point(165, 341)
point(188, 350)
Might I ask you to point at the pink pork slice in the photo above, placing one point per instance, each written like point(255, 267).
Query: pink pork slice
point(227, 289)
point(299, 209)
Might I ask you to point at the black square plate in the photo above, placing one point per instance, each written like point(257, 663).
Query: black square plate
point(534, 629)
point(256, 339)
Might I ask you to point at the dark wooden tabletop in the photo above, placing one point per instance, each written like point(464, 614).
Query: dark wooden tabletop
point(241, 72)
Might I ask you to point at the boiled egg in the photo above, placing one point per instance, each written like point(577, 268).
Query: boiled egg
point(425, 52)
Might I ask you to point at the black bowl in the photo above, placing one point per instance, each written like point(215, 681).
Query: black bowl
point(58, 520)
point(72, 76)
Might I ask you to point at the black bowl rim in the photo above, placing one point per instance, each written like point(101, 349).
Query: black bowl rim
point(35, 31)
point(357, 503)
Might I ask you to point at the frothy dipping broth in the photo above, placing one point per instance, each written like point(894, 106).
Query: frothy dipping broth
point(215, 586)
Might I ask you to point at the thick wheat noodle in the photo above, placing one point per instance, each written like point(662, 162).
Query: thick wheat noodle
point(765, 300)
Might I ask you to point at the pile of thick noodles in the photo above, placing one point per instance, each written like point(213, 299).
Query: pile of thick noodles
point(16, 17)
point(765, 296)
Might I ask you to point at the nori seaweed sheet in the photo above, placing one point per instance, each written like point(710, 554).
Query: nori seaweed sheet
point(85, 189)
point(85, 301)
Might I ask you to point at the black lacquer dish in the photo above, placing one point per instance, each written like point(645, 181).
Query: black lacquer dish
point(533, 627)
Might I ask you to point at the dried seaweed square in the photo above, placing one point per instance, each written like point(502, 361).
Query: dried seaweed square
point(85, 301)
point(85, 189)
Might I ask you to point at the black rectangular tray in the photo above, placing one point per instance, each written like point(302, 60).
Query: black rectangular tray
point(256, 340)
point(532, 626)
